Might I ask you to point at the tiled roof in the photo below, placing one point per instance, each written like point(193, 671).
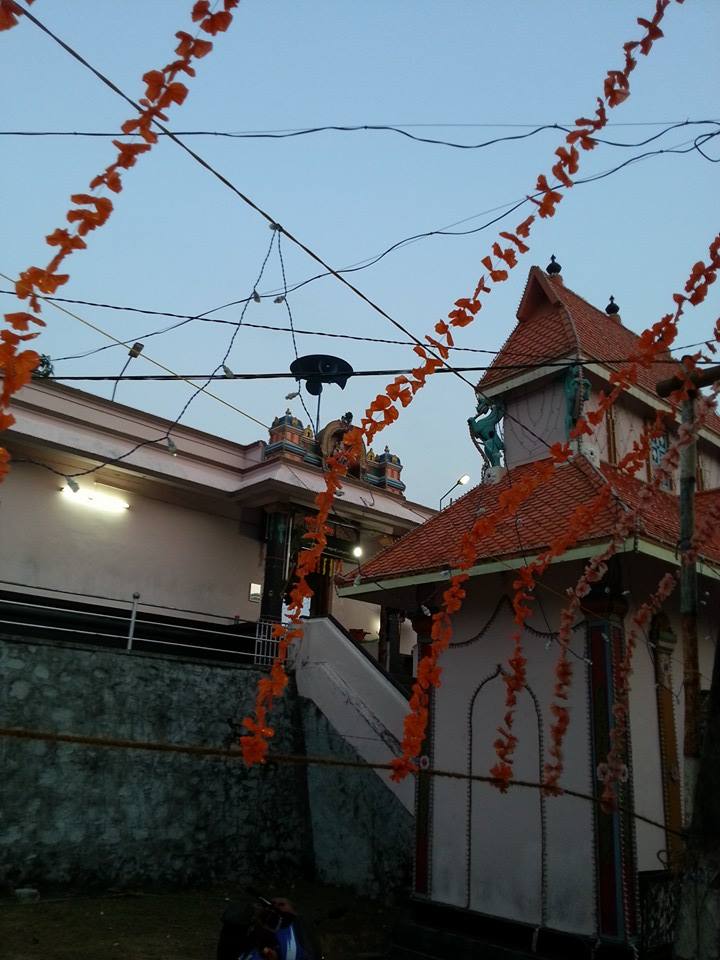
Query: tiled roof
point(435, 544)
point(554, 322)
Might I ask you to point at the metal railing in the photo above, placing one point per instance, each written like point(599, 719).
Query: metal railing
point(27, 615)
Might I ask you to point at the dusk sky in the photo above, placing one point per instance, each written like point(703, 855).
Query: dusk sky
point(180, 241)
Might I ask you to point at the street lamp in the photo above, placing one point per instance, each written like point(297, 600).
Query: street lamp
point(460, 482)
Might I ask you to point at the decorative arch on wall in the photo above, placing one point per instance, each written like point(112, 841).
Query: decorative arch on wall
point(497, 673)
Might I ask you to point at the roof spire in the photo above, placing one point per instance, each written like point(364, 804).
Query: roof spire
point(612, 308)
point(553, 268)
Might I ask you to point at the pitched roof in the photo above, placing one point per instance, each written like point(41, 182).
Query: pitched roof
point(435, 545)
point(555, 323)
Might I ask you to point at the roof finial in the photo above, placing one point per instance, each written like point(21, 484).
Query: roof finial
point(553, 268)
point(612, 308)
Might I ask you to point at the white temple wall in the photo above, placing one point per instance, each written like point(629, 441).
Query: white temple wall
point(505, 849)
point(543, 410)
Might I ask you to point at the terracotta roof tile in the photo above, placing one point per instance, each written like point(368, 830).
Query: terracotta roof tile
point(435, 544)
point(554, 323)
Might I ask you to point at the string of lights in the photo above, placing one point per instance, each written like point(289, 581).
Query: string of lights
point(352, 268)
point(222, 365)
point(283, 298)
point(187, 318)
point(272, 222)
point(507, 208)
point(399, 129)
point(151, 360)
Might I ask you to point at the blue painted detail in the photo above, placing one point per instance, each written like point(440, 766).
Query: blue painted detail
point(483, 428)
point(577, 392)
point(284, 445)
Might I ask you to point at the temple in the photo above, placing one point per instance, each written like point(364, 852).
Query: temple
point(206, 532)
point(522, 869)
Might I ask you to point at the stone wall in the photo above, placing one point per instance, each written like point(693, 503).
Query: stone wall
point(81, 817)
point(361, 831)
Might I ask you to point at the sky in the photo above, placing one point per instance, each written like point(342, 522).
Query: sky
point(180, 241)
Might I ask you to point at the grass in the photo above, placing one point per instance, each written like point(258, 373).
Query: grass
point(177, 925)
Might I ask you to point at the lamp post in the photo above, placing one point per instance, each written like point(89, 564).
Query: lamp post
point(460, 482)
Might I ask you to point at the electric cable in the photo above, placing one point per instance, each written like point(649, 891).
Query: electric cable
point(273, 224)
point(119, 378)
point(512, 206)
point(371, 261)
point(186, 318)
point(287, 375)
point(222, 365)
point(400, 129)
point(145, 356)
point(271, 221)
point(288, 310)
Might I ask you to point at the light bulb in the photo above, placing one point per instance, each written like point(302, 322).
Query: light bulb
point(92, 498)
point(357, 551)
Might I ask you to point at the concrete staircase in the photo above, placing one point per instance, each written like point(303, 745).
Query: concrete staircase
point(363, 704)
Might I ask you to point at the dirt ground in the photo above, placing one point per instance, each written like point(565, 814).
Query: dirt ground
point(177, 926)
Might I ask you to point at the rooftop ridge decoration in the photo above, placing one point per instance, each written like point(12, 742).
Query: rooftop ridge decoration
point(89, 212)
point(383, 411)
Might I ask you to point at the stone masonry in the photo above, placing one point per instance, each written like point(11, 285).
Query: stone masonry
point(79, 817)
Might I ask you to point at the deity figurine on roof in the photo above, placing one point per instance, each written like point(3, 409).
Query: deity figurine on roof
point(483, 430)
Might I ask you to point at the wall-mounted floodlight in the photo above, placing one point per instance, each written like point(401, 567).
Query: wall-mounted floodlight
point(99, 501)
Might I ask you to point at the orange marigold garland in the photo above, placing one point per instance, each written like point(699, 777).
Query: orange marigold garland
point(383, 410)
point(89, 212)
point(653, 342)
point(10, 11)
point(594, 572)
point(614, 769)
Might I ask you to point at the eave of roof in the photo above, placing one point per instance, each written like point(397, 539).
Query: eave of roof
point(557, 324)
point(432, 549)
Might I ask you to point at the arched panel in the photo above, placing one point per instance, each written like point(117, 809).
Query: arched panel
point(505, 833)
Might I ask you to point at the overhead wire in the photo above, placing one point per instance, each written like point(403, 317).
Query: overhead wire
point(145, 356)
point(287, 374)
point(187, 318)
point(247, 200)
point(400, 129)
point(510, 207)
point(110, 461)
point(272, 222)
point(222, 365)
point(364, 264)
point(288, 310)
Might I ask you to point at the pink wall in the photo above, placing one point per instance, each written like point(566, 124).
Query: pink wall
point(172, 555)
